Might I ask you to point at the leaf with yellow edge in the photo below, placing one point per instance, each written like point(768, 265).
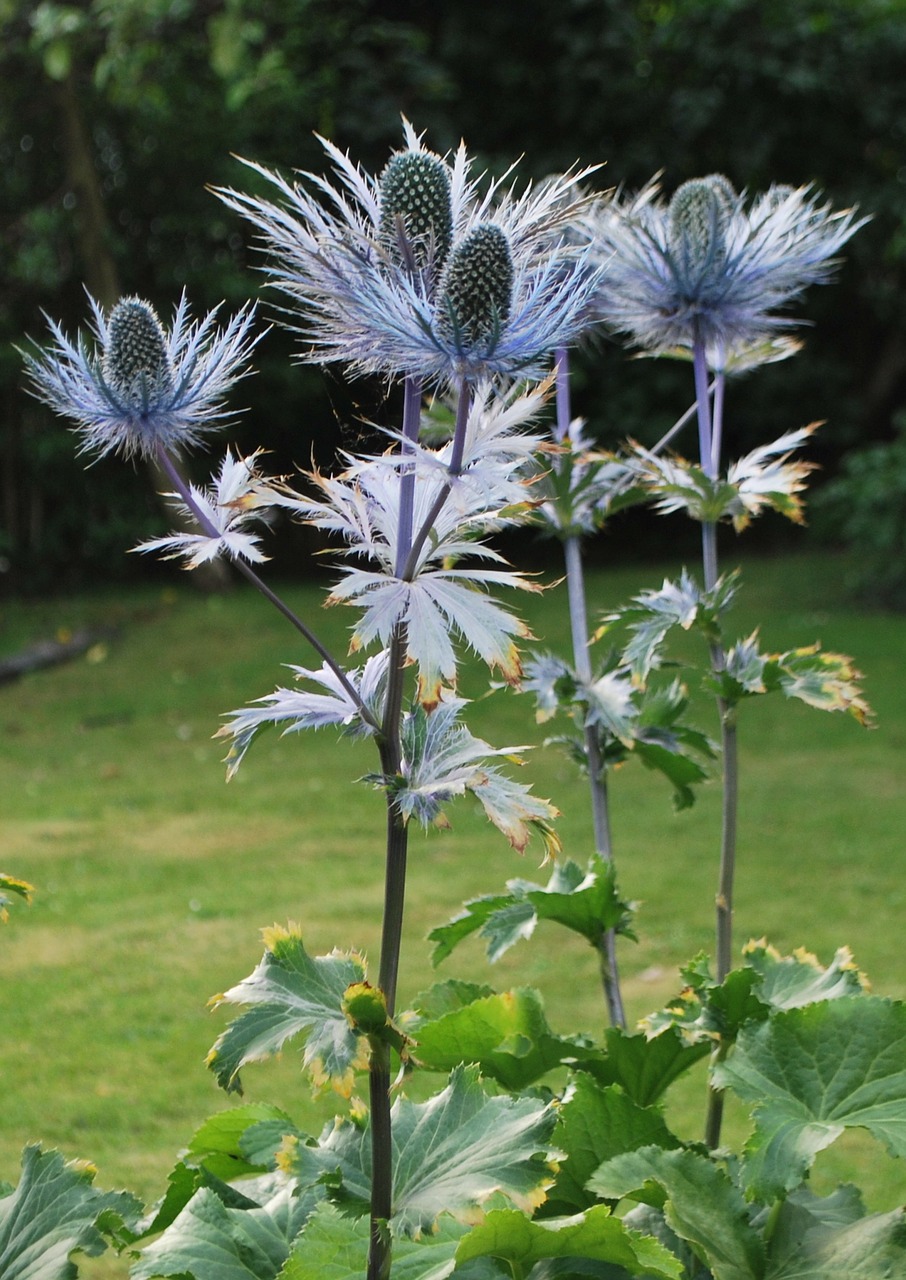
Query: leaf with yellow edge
point(292, 993)
point(8, 885)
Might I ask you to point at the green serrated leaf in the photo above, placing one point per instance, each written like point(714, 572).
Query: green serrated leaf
point(644, 1066)
point(506, 1034)
point(334, 1246)
point(587, 902)
point(813, 1072)
point(699, 1201)
point(520, 1243)
point(53, 1212)
point(595, 1123)
point(450, 1153)
point(831, 1238)
point(211, 1238)
point(220, 1141)
point(293, 993)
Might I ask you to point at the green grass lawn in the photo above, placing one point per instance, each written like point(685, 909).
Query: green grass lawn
point(153, 877)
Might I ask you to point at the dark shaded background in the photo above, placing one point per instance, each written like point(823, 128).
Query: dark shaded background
point(116, 114)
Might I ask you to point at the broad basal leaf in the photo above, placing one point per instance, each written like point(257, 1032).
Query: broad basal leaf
point(53, 1212)
point(520, 1243)
point(831, 1238)
point(812, 1072)
point(292, 993)
point(210, 1238)
point(699, 1201)
point(585, 901)
point(506, 1034)
point(595, 1123)
point(335, 1247)
point(450, 1153)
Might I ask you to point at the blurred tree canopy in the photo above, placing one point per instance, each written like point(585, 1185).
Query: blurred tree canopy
point(117, 114)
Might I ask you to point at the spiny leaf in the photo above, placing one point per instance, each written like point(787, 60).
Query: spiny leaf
point(587, 902)
point(293, 993)
point(710, 1010)
point(813, 1072)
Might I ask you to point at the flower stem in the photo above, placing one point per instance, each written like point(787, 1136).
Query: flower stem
point(454, 467)
point(709, 440)
point(411, 420)
point(597, 777)
point(258, 583)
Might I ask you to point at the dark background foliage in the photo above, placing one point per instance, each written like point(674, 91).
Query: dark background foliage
point(117, 114)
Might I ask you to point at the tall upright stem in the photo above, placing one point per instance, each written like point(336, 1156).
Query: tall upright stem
point(597, 777)
point(710, 431)
point(408, 550)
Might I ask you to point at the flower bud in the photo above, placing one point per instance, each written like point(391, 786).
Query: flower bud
point(477, 288)
point(697, 221)
point(416, 219)
point(136, 364)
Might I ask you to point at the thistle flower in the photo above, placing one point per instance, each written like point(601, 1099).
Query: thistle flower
point(706, 269)
point(143, 388)
point(416, 274)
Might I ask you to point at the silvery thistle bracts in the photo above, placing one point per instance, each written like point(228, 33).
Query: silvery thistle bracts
point(388, 303)
point(143, 387)
point(446, 592)
point(710, 268)
point(239, 494)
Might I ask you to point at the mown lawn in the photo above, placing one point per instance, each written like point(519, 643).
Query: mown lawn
point(153, 877)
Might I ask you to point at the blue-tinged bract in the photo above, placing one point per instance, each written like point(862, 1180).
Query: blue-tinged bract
point(710, 267)
point(138, 387)
point(373, 267)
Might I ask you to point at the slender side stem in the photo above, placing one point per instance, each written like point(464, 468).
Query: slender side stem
point(249, 573)
point(597, 778)
point(709, 438)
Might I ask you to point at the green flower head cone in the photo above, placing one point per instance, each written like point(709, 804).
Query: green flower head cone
point(416, 216)
point(136, 362)
point(477, 289)
point(697, 220)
